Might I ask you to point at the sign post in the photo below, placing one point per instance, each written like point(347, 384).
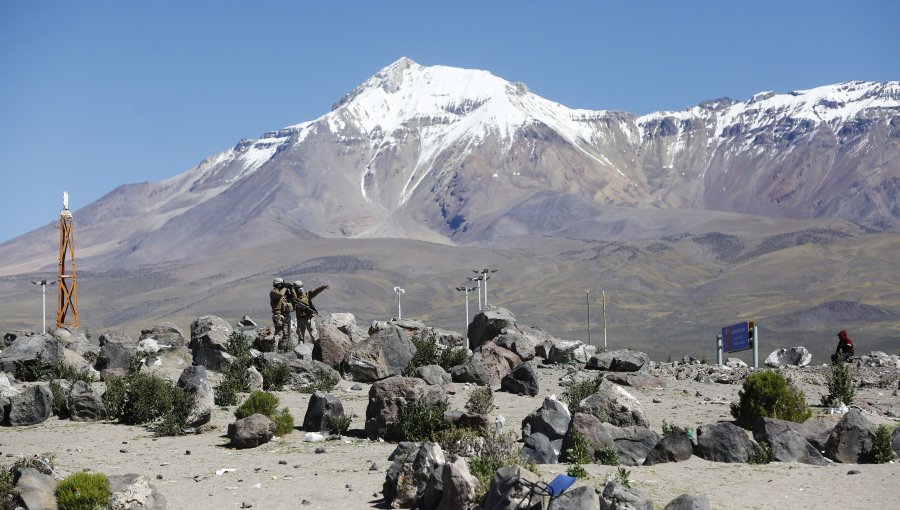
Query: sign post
point(739, 337)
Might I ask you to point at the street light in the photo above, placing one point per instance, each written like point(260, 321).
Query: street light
point(466, 290)
point(477, 279)
point(484, 276)
point(399, 292)
point(43, 284)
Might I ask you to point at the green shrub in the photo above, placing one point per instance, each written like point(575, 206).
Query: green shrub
point(882, 453)
point(761, 454)
point(495, 451)
point(60, 405)
point(481, 400)
point(140, 398)
point(83, 491)
point(114, 397)
point(452, 356)
point(608, 456)
point(284, 422)
point(418, 421)
point(623, 476)
point(40, 369)
point(840, 384)
point(261, 402)
point(325, 383)
point(574, 394)
point(462, 441)
point(578, 453)
point(578, 471)
point(8, 493)
point(428, 352)
point(769, 394)
point(275, 375)
point(235, 378)
point(338, 424)
point(667, 427)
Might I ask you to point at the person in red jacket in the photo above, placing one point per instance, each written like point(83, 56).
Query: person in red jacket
point(844, 348)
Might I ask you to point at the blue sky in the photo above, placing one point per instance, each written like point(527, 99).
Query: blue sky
point(98, 94)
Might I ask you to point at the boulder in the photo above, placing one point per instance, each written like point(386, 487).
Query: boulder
point(30, 407)
point(332, 346)
point(447, 339)
point(385, 353)
point(165, 333)
point(537, 447)
point(304, 350)
point(194, 380)
point(174, 358)
point(256, 379)
point(133, 492)
point(116, 336)
point(675, 446)
point(212, 358)
point(10, 336)
point(524, 346)
point(211, 332)
point(406, 479)
point(6, 389)
point(36, 490)
point(786, 443)
point(505, 491)
point(643, 381)
point(895, 441)
point(576, 498)
point(613, 404)
point(85, 404)
point(816, 430)
point(488, 324)
point(78, 342)
point(688, 502)
point(27, 349)
point(306, 372)
point(472, 372)
point(731, 363)
point(570, 351)
point(497, 361)
point(433, 374)
point(251, 431)
point(523, 380)
point(851, 440)
point(148, 346)
point(466, 419)
point(387, 395)
point(459, 485)
point(551, 419)
point(264, 340)
point(116, 351)
point(322, 406)
point(620, 360)
point(793, 357)
point(616, 496)
point(723, 442)
point(346, 323)
point(632, 444)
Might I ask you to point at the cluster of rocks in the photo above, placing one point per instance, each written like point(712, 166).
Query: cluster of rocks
point(35, 489)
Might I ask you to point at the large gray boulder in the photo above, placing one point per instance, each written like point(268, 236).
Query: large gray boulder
point(472, 372)
point(523, 380)
point(570, 351)
point(78, 342)
point(165, 334)
point(346, 323)
point(10, 336)
point(523, 345)
point(851, 440)
point(458, 485)
point(387, 395)
point(620, 360)
point(576, 498)
point(488, 324)
point(412, 467)
point(321, 408)
point(6, 389)
point(251, 431)
point(116, 336)
point(210, 331)
point(636, 380)
point(30, 407)
point(505, 491)
point(723, 442)
point(616, 496)
point(384, 354)
point(675, 446)
point(84, 403)
point(632, 444)
point(537, 447)
point(332, 346)
point(212, 358)
point(433, 374)
point(688, 502)
point(116, 351)
point(497, 361)
point(816, 430)
point(551, 419)
point(306, 372)
point(36, 490)
point(895, 441)
point(27, 349)
point(132, 491)
point(611, 403)
point(786, 443)
point(793, 357)
point(195, 381)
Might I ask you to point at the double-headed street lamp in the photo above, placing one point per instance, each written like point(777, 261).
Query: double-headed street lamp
point(43, 284)
point(477, 279)
point(466, 290)
point(399, 292)
point(484, 276)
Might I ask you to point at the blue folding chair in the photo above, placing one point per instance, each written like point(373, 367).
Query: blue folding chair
point(554, 489)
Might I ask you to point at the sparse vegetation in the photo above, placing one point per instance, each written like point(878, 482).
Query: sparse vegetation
point(494, 452)
point(266, 404)
point(338, 424)
point(235, 378)
point(83, 491)
point(140, 398)
point(578, 453)
point(40, 369)
point(460, 440)
point(325, 384)
point(574, 394)
point(769, 394)
point(578, 471)
point(608, 456)
point(840, 384)
point(60, 405)
point(761, 454)
point(881, 445)
point(275, 375)
point(623, 476)
point(284, 422)
point(667, 427)
point(418, 421)
point(481, 400)
point(428, 352)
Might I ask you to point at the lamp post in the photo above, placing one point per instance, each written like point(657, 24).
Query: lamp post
point(484, 276)
point(43, 284)
point(399, 292)
point(466, 290)
point(477, 279)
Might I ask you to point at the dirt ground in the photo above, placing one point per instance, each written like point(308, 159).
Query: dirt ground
point(287, 472)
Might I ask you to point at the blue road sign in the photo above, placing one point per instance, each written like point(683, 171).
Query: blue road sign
point(736, 337)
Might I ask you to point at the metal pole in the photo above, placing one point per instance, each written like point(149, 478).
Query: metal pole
point(719, 350)
point(604, 319)
point(755, 347)
point(485, 289)
point(479, 294)
point(44, 306)
point(587, 299)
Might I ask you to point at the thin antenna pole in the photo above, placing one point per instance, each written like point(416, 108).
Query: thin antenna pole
point(604, 319)
point(587, 299)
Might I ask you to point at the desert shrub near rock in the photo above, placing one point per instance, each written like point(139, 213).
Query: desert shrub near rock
point(481, 400)
point(769, 394)
point(497, 450)
point(266, 404)
point(235, 378)
point(275, 375)
point(428, 352)
point(608, 456)
point(338, 424)
point(140, 398)
point(83, 491)
point(60, 405)
point(840, 384)
point(40, 369)
point(325, 384)
point(418, 421)
point(574, 394)
point(761, 454)
point(882, 453)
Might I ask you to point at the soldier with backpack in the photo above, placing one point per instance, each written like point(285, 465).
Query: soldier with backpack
point(305, 309)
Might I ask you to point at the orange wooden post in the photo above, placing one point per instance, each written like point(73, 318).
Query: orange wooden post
point(68, 296)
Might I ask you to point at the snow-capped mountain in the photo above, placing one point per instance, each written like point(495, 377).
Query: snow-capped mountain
point(454, 155)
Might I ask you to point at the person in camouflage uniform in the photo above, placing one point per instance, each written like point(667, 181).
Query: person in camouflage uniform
point(305, 309)
point(281, 298)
